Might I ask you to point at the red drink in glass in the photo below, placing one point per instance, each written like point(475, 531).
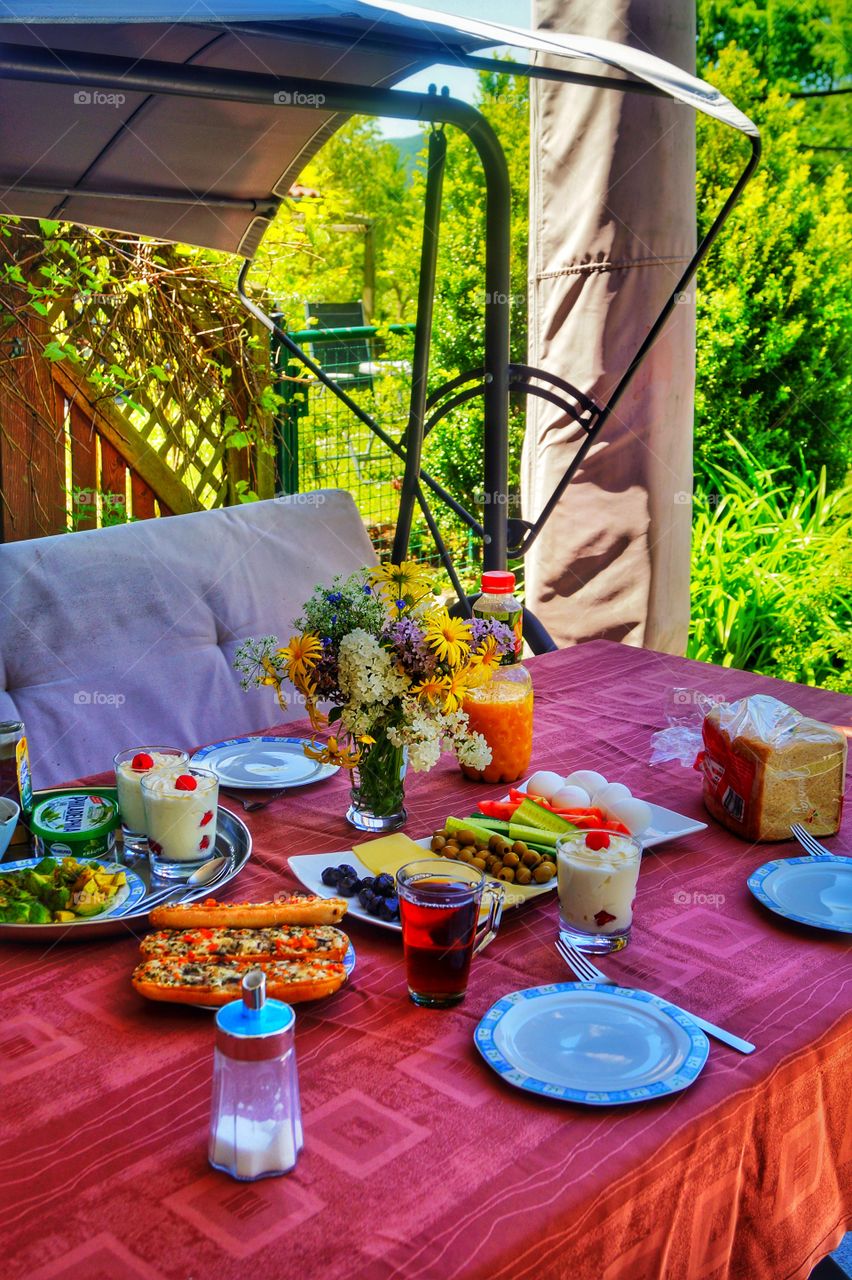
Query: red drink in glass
point(438, 929)
point(439, 906)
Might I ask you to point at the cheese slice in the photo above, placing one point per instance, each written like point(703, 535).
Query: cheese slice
point(389, 853)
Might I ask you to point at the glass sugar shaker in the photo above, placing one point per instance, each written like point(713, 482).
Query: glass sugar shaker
point(255, 1116)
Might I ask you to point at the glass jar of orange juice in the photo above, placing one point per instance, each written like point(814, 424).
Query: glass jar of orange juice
point(502, 709)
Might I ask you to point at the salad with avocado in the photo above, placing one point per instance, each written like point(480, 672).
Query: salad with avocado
point(57, 891)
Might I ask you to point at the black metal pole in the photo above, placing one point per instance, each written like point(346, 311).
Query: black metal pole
point(422, 343)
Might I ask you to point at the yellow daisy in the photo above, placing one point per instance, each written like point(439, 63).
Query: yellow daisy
point(407, 581)
point(432, 689)
point(300, 655)
point(448, 637)
point(458, 685)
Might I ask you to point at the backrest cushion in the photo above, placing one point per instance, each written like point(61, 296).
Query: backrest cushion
point(121, 637)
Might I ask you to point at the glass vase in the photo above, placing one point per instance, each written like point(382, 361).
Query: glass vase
point(378, 787)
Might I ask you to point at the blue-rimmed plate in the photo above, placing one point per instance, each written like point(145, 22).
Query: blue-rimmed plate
point(592, 1043)
point(812, 891)
point(263, 763)
point(123, 902)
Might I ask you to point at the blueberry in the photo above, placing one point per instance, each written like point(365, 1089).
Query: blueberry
point(384, 885)
point(330, 876)
point(368, 882)
point(364, 897)
point(388, 909)
point(347, 870)
point(372, 903)
point(347, 887)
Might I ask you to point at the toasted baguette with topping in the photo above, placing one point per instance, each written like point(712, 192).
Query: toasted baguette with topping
point(218, 982)
point(295, 908)
point(282, 942)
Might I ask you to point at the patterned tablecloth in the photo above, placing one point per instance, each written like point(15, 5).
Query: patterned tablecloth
point(420, 1162)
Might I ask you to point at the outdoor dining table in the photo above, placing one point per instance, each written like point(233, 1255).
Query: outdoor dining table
point(419, 1161)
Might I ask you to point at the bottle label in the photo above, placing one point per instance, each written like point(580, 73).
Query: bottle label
point(25, 783)
point(514, 620)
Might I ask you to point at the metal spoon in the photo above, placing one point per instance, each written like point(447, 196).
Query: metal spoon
point(207, 874)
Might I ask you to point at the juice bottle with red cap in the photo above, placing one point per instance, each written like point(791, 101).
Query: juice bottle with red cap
point(502, 709)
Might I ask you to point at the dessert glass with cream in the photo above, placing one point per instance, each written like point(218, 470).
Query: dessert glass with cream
point(597, 874)
point(180, 819)
point(130, 768)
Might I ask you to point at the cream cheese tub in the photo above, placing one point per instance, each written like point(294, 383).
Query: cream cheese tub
point(76, 825)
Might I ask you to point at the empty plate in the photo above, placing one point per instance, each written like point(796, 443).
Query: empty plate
point(592, 1043)
point(814, 891)
point(263, 764)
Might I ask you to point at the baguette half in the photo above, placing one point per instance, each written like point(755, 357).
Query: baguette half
point(217, 983)
point(294, 908)
point(281, 942)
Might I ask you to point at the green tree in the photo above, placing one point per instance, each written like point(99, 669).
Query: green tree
point(775, 294)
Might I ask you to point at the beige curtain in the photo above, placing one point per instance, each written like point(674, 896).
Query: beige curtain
point(612, 224)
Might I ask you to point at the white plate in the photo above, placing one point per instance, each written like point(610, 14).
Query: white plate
point(308, 868)
point(262, 763)
point(593, 1043)
point(813, 891)
point(666, 824)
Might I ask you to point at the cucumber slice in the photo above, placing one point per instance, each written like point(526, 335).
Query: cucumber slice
point(530, 814)
point(495, 825)
point(535, 836)
point(475, 826)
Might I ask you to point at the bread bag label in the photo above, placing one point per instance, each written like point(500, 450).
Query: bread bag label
point(728, 777)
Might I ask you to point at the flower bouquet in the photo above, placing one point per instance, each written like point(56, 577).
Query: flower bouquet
point(393, 668)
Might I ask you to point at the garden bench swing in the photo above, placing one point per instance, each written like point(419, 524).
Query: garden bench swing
point(202, 85)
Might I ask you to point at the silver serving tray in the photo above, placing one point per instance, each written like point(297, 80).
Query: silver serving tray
point(232, 840)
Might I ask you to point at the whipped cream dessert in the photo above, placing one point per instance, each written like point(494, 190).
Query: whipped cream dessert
point(597, 885)
point(180, 814)
point(129, 773)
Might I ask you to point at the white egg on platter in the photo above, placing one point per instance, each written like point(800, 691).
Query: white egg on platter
point(545, 784)
point(571, 798)
point(587, 779)
point(633, 812)
point(605, 796)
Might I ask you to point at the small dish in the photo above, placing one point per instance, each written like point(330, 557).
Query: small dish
point(812, 891)
point(262, 763)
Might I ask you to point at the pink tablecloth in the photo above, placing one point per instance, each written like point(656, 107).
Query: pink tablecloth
point(419, 1162)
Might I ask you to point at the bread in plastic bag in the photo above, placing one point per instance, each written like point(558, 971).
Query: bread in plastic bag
point(766, 766)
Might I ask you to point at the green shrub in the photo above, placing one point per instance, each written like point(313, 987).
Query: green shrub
point(772, 572)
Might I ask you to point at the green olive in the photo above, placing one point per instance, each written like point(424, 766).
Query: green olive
point(523, 875)
point(530, 858)
point(438, 843)
point(508, 874)
point(465, 836)
point(479, 863)
point(510, 859)
point(544, 872)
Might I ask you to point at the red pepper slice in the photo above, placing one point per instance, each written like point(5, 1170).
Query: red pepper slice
point(502, 810)
point(618, 827)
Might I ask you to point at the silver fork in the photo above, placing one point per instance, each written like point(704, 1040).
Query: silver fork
point(587, 972)
point(809, 844)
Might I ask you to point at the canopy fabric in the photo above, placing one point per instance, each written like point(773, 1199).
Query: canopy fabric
point(213, 172)
point(613, 560)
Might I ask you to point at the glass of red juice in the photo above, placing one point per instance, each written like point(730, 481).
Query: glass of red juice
point(440, 904)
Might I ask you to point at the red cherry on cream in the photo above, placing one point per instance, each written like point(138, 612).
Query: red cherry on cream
point(185, 782)
point(141, 762)
point(597, 840)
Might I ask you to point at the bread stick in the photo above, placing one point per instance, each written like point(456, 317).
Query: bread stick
point(295, 908)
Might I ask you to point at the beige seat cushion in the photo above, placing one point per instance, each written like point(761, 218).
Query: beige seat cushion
point(120, 637)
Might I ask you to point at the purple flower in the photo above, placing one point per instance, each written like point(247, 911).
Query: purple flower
point(405, 640)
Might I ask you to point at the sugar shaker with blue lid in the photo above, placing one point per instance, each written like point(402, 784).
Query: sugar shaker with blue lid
point(255, 1116)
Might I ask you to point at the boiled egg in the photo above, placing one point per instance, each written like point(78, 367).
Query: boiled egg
point(605, 796)
point(587, 779)
point(570, 798)
point(634, 813)
point(545, 784)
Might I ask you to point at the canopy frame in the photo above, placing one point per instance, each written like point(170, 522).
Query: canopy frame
point(498, 377)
